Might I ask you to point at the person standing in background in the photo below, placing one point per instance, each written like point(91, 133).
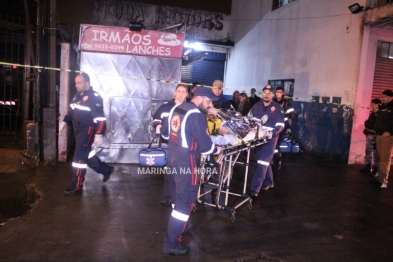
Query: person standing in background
point(245, 104)
point(384, 130)
point(235, 100)
point(222, 102)
point(253, 97)
point(371, 154)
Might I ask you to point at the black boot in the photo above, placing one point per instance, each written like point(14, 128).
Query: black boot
point(374, 173)
point(366, 169)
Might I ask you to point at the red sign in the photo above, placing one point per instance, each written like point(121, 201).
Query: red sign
point(108, 39)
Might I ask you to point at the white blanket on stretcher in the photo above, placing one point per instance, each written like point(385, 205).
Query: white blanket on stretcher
point(230, 139)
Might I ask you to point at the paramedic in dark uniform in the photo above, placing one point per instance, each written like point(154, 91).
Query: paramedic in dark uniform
point(188, 137)
point(289, 113)
point(87, 117)
point(263, 176)
point(181, 93)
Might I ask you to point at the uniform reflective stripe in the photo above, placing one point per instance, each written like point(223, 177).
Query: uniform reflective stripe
point(183, 127)
point(164, 114)
point(91, 154)
point(99, 119)
point(173, 206)
point(280, 124)
point(79, 165)
point(263, 163)
point(276, 151)
point(283, 146)
point(84, 108)
point(289, 110)
point(210, 151)
point(179, 216)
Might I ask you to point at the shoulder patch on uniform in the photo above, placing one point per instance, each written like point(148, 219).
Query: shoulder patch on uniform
point(175, 123)
point(273, 108)
point(85, 98)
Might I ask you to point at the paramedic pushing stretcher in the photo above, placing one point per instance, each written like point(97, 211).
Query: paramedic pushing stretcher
point(263, 176)
point(187, 135)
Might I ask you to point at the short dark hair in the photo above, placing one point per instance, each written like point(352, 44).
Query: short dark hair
point(85, 76)
point(388, 93)
point(279, 88)
point(376, 101)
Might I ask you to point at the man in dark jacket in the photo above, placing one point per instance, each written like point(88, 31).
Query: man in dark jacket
point(289, 113)
point(372, 158)
point(254, 98)
point(384, 129)
point(222, 102)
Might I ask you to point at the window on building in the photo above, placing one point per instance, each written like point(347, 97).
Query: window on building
point(287, 84)
point(279, 3)
point(385, 49)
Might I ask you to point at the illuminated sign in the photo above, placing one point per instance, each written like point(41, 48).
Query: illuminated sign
point(121, 40)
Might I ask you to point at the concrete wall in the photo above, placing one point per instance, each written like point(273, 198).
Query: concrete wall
point(371, 36)
point(315, 42)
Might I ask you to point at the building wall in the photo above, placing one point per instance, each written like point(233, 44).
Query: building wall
point(203, 25)
point(315, 42)
point(371, 36)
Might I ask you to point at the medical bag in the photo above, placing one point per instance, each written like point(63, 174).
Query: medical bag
point(154, 154)
point(287, 144)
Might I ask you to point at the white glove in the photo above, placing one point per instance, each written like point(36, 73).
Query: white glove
point(218, 150)
point(98, 140)
point(62, 124)
point(158, 129)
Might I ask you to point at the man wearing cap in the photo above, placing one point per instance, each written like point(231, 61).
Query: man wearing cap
point(221, 102)
point(188, 137)
point(254, 98)
point(263, 176)
point(384, 129)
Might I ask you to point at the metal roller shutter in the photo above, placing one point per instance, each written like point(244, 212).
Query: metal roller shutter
point(212, 67)
point(383, 76)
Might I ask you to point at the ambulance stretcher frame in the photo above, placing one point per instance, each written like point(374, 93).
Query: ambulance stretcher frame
point(226, 161)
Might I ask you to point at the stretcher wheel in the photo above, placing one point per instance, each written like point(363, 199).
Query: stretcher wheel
point(249, 205)
point(232, 216)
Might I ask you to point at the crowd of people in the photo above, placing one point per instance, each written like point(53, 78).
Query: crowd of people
point(186, 124)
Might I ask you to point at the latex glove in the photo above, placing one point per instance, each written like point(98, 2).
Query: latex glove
point(218, 150)
point(158, 129)
point(98, 140)
point(62, 125)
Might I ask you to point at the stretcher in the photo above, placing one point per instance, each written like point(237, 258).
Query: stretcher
point(215, 188)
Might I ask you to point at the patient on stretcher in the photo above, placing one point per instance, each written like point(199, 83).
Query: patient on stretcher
point(230, 128)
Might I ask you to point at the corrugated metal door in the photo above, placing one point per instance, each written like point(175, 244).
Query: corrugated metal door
point(383, 76)
point(212, 67)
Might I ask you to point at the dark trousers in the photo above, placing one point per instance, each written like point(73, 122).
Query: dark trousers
point(263, 176)
point(183, 186)
point(84, 138)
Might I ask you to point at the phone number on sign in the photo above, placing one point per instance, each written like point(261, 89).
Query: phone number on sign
point(111, 47)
